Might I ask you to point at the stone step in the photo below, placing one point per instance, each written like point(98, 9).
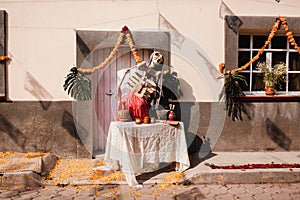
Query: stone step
point(25, 172)
point(19, 180)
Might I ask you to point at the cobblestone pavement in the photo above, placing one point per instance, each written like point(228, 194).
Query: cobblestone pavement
point(282, 191)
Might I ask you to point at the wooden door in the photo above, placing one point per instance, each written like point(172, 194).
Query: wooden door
point(106, 83)
point(92, 47)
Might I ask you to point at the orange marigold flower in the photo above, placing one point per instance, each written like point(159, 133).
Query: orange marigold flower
point(289, 33)
point(4, 58)
point(221, 67)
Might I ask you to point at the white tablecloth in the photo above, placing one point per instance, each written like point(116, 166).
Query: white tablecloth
point(140, 148)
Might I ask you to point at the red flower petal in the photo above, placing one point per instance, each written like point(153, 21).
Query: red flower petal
point(125, 28)
point(256, 166)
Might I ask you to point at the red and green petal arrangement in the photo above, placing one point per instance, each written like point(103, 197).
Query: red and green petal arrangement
point(254, 166)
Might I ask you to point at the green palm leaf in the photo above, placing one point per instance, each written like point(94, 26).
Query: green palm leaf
point(231, 93)
point(78, 85)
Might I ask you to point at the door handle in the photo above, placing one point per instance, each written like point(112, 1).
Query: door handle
point(109, 93)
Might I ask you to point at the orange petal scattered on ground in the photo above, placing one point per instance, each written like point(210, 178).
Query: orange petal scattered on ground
point(33, 155)
point(15, 154)
point(173, 177)
point(14, 161)
point(70, 170)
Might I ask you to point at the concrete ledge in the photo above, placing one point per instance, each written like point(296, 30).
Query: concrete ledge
point(199, 173)
point(41, 164)
point(15, 180)
point(246, 177)
point(203, 174)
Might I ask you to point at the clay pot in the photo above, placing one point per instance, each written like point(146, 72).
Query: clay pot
point(270, 90)
point(138, 121)
point(146, 120)
point(153, 120)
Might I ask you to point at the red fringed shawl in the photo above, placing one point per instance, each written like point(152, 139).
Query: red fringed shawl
point(137, 106)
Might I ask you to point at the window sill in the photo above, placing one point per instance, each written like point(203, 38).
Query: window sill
point(4, 99)
point(278, 97)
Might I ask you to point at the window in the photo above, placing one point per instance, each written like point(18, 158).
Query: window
point(279, 50)
point(244, 44)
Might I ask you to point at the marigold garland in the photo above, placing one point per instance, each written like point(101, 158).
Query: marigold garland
point(78, 85)
point(132, 47)
point(125, 31)
point(289, 34)
point(2, 58)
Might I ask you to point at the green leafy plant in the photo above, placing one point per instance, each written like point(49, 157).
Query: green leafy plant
point(272, 76)
point(78, 85)
point(231, 93)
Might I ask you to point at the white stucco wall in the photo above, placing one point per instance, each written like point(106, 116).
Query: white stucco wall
point(41, 37)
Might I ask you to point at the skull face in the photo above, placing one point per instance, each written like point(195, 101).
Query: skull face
point(156, 58)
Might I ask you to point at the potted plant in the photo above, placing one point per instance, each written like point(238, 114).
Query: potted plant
point(272, 76)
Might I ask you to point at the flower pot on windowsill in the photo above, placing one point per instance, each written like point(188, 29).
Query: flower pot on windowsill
point(272, 76)
point(270, 90)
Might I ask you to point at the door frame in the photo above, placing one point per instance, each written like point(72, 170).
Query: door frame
point(88, 41)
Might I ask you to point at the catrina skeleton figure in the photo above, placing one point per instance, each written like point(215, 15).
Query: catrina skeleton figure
point(151, 88)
